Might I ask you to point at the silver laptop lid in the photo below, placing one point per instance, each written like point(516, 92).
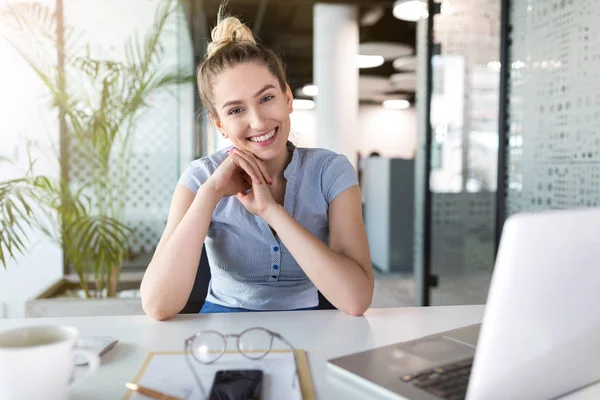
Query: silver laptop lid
point(541, 329)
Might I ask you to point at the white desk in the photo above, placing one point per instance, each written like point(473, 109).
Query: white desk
point(324, 334)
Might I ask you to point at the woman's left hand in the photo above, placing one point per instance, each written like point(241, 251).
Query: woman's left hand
point(259, 198)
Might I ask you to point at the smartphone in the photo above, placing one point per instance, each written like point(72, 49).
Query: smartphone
point(237, 384)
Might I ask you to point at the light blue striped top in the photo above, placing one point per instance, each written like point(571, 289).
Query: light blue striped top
point(250, 267)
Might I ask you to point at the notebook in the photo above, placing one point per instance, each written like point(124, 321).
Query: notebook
point(169, 373)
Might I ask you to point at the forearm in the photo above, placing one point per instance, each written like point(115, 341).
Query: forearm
point(169, 278)
point(342, 280)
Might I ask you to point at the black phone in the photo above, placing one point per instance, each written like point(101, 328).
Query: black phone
point(237, 384)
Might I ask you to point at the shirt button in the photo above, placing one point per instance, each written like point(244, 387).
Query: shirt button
point(274, 276)
point(276, 248)
point(275, 267)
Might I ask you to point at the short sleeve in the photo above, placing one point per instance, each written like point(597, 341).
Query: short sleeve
point(196, 174)
point(338, 175)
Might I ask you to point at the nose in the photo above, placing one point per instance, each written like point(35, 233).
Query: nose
point(258, 121)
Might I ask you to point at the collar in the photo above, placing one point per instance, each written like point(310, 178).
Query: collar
point(292, 167)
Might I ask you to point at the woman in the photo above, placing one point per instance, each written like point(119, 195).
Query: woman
point(278, 222)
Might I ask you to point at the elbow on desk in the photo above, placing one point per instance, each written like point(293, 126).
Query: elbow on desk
point(157, 313)
point(357, 308)
point(356, 311)
point(156, 309)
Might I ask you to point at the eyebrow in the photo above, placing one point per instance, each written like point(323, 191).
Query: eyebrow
point(234, 102)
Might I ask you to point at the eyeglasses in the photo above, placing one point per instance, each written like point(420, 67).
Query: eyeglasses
point(206, 347)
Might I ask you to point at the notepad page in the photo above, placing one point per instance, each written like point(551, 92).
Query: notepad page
point(170, 373)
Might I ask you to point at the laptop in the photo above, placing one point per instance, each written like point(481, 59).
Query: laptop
point(540, 334)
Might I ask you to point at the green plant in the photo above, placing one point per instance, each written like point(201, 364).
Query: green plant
point(89, 240)
point(100, 101)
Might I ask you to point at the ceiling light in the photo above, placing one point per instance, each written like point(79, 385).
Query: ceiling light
point(303, 104)
point(310, 90)
point(388, 50)
point(372, 16)
point(403, 81)
point(396, 104)
point(363, 61)
point(410, 10)
point(405, 63)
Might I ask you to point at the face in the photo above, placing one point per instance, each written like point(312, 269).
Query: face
point(252, 110)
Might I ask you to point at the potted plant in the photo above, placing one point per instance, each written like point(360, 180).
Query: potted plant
point(100, 102)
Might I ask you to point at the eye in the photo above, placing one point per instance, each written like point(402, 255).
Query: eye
point(233, 111)
point(267, 98)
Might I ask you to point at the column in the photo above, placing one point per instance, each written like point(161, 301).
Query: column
point(336, 76)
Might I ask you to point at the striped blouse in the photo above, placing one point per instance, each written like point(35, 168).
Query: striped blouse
point(250, 267)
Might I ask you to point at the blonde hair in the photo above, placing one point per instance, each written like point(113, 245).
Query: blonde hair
point(233, 43)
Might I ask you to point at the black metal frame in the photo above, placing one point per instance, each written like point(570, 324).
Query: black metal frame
point(62, 121)
point(503, 127)
point(503, 116)
point(426, 260)
point(199, 35)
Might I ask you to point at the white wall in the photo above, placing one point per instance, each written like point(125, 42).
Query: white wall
point(392, 133)
point(304, 128)
point(24, 117)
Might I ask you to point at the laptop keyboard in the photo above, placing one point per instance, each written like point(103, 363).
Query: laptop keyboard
point(447, 381)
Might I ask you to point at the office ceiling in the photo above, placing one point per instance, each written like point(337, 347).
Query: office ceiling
point(286, 26)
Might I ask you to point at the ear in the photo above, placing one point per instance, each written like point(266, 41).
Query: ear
point(215, 120)
point(289, 98)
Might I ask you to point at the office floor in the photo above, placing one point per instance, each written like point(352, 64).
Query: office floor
point(398, 290)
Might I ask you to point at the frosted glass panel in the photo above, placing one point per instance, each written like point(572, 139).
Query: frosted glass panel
point(161, 143)
point(464, 120)
point(553, 154)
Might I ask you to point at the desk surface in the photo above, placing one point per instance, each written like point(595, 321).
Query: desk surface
point(323, 334)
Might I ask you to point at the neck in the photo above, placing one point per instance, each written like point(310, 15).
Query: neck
point(276, 166)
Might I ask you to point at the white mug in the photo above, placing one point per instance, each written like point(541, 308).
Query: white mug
point(37, 362)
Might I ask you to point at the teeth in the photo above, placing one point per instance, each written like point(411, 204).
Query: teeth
point(264, 137)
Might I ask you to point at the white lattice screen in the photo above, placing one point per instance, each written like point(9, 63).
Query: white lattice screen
point(161, 142)
point(554, 105)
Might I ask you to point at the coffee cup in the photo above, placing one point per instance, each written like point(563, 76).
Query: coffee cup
point(37, 362)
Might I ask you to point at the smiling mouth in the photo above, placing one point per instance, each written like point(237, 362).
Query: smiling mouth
point(265, 137)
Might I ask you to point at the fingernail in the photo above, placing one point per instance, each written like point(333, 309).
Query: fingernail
point(270, 182)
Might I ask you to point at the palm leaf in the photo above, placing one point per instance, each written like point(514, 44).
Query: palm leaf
point(16, 217)
point(159, 80)
point(102, 102)
point(100, 239)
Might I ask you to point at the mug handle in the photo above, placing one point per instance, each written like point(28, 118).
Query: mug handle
point(92, 364)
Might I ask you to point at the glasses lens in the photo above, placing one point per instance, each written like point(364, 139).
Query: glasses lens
point(208, 346)
point(255, 343)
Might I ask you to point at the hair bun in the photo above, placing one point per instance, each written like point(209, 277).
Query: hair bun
point(228, 30)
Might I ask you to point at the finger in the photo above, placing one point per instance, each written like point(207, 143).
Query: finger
point(243, 195)
point(251, 160)
point(247, 168)
point(259, 163)
point(263, 169)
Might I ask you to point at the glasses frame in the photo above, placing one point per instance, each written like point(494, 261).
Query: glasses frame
point(189, 354)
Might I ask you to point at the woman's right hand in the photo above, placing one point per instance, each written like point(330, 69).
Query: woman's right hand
point(236, 174)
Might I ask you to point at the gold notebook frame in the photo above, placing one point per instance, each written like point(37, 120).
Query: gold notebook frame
point(306, 384)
